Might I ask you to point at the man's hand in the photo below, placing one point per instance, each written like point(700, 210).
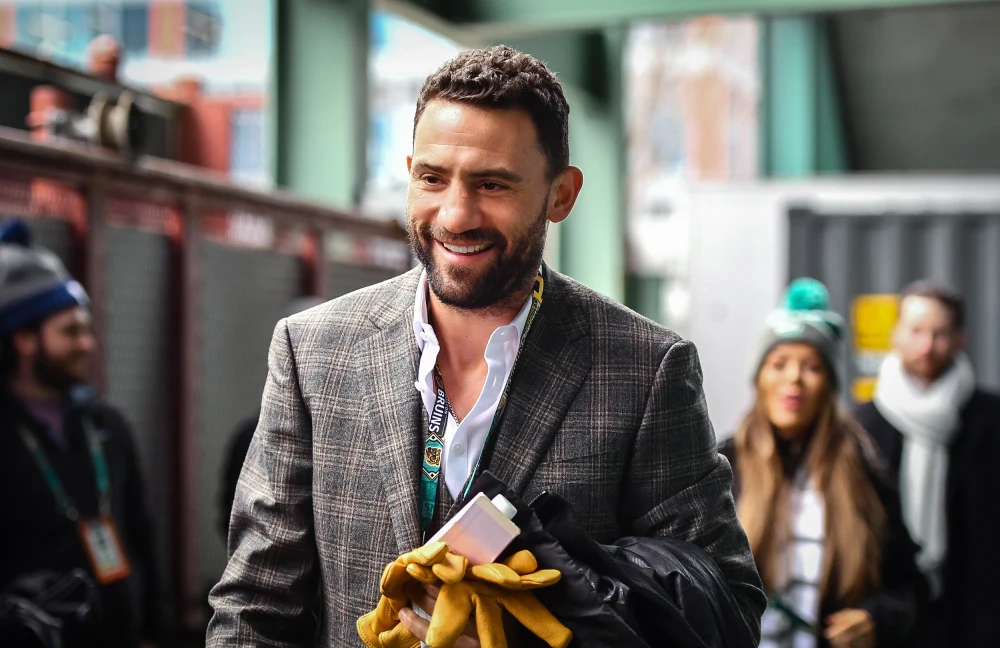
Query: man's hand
point(850, 629)
point(425, 597)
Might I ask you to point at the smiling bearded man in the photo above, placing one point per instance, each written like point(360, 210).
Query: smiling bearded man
point(603, 407)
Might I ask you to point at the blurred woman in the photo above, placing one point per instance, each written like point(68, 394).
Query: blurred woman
point(825, 528)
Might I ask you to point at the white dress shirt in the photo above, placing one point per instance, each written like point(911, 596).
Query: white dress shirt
point(463, 442)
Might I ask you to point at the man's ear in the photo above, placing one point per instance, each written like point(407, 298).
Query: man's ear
point(567, 189)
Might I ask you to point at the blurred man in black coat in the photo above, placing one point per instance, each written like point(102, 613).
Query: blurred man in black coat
point(72, 493)
point(941, 436)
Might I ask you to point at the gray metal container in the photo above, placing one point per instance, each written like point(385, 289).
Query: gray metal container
point(857, 254)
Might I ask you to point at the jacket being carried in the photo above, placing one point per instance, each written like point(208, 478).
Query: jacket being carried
point(636, 593)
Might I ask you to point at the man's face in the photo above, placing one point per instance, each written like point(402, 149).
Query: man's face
point(479, 202)
point(926, 339)
point(61, 351)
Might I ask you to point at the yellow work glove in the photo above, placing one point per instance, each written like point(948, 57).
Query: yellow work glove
point(381, 628)
point(450, 569)
point(485, 591)
point(518, 572)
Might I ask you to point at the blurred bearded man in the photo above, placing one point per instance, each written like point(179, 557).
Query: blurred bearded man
point(941, 437)
point(72, 490)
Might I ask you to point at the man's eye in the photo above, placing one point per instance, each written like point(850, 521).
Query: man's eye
point(492, 186)
point(429, 179)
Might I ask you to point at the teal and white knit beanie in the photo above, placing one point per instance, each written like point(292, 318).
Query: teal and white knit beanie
point(34, 284)
point(806, 317)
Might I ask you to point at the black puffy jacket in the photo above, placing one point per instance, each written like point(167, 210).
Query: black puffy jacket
point(636, 593)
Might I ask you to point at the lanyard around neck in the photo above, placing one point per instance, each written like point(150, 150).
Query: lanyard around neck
point(64, 503)
point(438, 421)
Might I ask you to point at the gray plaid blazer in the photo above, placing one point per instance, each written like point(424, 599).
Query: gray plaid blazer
point(606, 409)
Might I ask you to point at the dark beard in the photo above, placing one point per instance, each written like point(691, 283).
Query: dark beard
point(52, 373)
point(930, 371)
point(512, 272)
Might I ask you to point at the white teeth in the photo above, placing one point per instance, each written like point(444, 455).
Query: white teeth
point(464, 249)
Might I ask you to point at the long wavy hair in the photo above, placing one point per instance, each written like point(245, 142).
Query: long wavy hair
point(836, 458)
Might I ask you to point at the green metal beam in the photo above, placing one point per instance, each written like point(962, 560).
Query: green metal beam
point(802, 130)
point(790, 82)
point(644, 295)
point(319, 114)
point(500, 18)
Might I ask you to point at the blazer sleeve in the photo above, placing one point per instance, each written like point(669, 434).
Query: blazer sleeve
point(268, 595)
point(904, 593)
point(678, 485)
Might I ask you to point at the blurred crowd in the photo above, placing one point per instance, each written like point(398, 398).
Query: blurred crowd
point(873, 524)
point(869, 527)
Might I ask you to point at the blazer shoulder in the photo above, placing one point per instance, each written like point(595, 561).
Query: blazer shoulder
point(355, 315)
point(727, 449)
point(611, 322)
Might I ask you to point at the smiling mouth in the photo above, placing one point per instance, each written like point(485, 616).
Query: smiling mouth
point(466, 249)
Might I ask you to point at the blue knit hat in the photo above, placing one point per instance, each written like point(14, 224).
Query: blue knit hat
point(34, 284)
point(806, 317)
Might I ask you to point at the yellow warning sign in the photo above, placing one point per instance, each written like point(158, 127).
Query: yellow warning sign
point(872, 320)
point(863, 389)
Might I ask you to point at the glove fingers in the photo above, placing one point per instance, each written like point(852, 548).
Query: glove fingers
point(398, 637)
point(540, 578)
point(387, 613)
point(450, 615)
point(523, 562)
point(422, 574)
point(365, 630)
point(394, 578)
point(451, 569)
point(489, 622)
point(534, 616)
point(427, 555)
point(498, 574)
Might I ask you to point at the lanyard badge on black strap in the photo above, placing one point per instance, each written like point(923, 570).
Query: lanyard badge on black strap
point(99, 535)
point(438, 422)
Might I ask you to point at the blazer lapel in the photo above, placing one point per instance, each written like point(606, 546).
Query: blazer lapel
point(550, 371)
point(387, 363)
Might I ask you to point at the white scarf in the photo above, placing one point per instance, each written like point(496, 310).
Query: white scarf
point(928, 419)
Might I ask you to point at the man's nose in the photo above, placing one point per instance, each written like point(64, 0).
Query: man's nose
point(925, 343)
point(86, 342)
point(459, 210)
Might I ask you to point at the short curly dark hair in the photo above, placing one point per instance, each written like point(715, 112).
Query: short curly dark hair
point(502, 77)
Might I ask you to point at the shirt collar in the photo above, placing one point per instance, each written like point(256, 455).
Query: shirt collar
point(422, 329)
